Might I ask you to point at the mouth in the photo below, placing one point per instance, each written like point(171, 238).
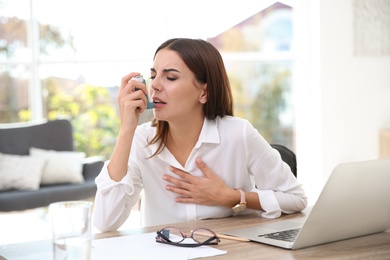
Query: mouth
point(158, 101)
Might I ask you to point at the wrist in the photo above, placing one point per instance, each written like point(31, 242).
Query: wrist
point(231, 198)
point(241, 205)
point(126, 133)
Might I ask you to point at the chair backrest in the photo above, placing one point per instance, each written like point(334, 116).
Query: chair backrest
point(50, 135)
point(288, 157)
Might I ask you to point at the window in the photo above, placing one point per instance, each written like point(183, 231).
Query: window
point(15, 70)
point(257, 54)
point(66, 59)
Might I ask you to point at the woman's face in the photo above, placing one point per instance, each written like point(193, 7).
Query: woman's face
point(176, 93)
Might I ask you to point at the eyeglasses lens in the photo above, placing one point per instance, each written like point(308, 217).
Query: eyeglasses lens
point(173, 234)
point(201, 235)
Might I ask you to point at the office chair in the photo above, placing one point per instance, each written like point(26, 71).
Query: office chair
point(288, 157)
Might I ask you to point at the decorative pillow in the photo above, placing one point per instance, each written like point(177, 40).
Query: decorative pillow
point(61, 167)
point(20, 172)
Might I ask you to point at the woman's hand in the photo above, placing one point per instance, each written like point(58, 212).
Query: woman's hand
point(131, 102)
point(206, 190)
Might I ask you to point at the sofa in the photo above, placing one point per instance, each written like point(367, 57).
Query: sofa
point(52, 142)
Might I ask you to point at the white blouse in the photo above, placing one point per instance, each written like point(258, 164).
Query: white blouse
point(230, 146)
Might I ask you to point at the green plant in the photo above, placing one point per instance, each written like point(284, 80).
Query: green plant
point(91, 112)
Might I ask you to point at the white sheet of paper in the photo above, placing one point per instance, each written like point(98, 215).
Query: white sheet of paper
point(144, 246)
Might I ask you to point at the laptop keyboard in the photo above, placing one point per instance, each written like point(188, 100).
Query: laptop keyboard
point(285, 235)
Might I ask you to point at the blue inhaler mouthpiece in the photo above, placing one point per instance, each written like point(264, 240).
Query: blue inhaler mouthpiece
point(140, 78)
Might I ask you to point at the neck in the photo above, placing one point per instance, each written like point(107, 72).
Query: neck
point(186, 132)
point(182, 137)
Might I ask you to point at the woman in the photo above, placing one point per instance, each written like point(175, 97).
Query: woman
point(194, 160)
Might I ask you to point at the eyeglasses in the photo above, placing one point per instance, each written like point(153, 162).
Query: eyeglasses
point(174, 236)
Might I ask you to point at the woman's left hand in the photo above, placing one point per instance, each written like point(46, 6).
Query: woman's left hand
point(206, 190)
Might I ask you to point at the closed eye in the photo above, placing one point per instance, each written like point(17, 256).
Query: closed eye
point(168, 78)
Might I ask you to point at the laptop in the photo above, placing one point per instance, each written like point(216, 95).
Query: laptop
point(355, 201)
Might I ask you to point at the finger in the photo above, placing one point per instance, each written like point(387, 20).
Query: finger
point(131, 99)
point(180, 183)
point(137, 86)
point(183, 175)
point(180, 191)
point(134, 105)
point(185, 200)
point(126, 79)
point(133, 86)
point(203, 167)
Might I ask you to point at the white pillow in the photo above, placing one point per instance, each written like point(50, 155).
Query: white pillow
point(61, 167)
point(20, 172)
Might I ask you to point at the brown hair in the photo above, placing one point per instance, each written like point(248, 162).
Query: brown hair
point(205, 61)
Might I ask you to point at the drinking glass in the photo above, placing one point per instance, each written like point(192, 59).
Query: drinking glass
point(71, 228)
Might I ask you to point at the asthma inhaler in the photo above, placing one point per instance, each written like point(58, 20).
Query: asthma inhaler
point(140, 78)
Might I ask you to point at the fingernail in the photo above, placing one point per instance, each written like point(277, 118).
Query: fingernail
point(198, 160)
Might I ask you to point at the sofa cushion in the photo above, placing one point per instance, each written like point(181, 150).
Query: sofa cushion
point(61, 167)
point(20, 172)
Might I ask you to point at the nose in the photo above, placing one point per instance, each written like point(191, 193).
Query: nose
point(155, 85)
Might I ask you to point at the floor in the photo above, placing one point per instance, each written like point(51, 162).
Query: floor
point(30, 225)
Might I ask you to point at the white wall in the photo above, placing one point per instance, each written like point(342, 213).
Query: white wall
point(349, 96)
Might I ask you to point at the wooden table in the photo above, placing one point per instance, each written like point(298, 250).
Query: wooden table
point(375, 246)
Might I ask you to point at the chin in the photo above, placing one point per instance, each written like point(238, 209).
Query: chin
point(158, 117)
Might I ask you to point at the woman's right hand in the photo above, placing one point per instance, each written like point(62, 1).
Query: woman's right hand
point(131, 103)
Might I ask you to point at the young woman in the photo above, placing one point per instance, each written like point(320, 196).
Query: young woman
point(194, 160)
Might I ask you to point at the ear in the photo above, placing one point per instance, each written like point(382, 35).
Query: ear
point(203, 94)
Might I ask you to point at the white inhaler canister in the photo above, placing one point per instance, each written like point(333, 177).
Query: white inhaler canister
point(140, 78)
